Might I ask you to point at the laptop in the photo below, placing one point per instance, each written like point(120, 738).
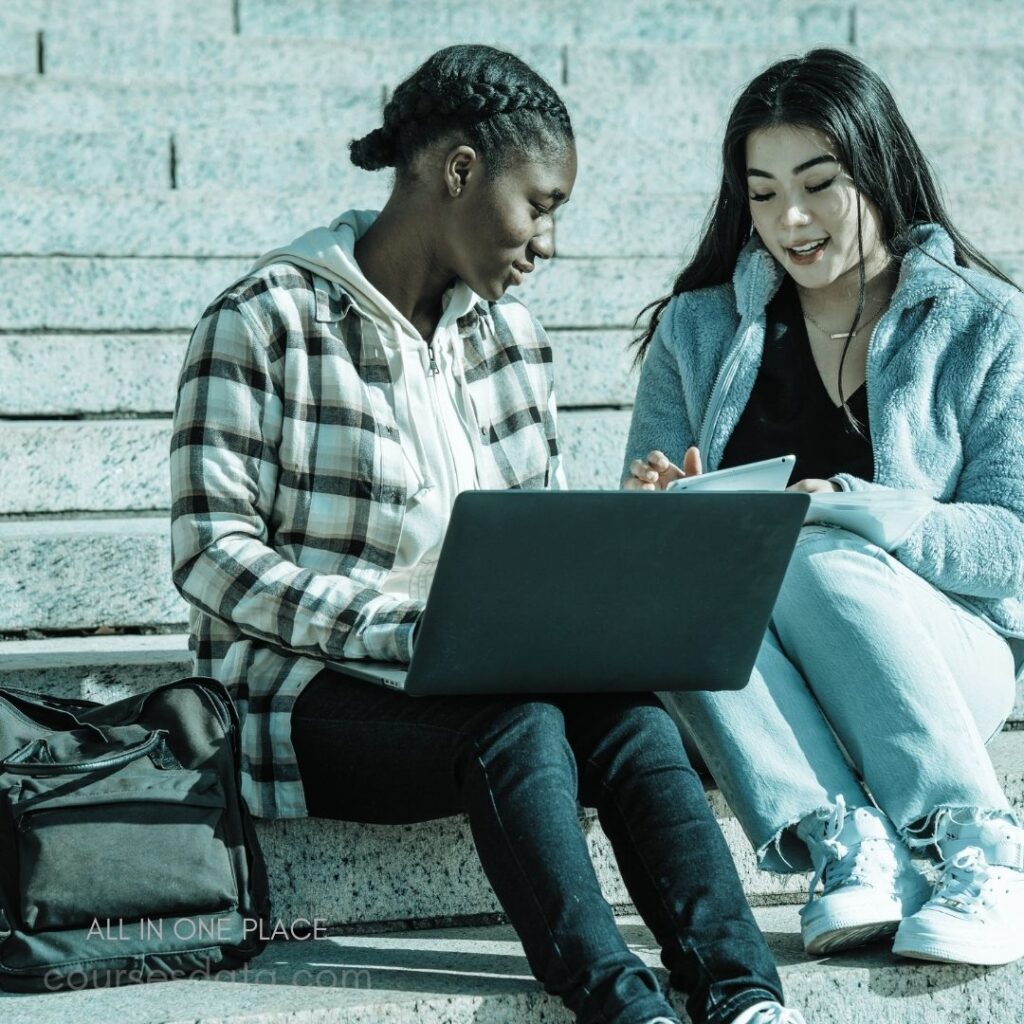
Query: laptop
point(584, 591)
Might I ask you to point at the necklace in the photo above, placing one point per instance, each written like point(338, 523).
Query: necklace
point(843, 334)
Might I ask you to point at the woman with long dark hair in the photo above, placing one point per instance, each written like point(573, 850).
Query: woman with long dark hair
point(833, 311)
point(332, 405)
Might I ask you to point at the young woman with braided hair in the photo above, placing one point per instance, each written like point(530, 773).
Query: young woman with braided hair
point(833, 311)
point(332, 405)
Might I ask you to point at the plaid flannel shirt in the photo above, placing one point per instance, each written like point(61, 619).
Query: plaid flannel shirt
point(288, 489)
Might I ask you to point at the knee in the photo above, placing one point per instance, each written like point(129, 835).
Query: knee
point(527, 732)
point(829, 563)
point(643, 736)
point(652, 726)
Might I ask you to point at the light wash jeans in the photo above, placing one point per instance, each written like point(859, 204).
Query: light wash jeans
point(862, 650)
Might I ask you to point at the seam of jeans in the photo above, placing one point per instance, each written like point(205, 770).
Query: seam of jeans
point(683, 946)
point(523, 873)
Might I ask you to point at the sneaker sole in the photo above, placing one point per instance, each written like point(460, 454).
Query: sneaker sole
point(847, 936)
point(950, 953)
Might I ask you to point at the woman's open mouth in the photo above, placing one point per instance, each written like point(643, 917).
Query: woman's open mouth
point(809, 252)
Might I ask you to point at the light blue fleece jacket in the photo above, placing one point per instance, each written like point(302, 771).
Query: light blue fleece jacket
point(945, 389)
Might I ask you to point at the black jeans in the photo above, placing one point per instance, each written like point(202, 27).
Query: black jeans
point(516, 765)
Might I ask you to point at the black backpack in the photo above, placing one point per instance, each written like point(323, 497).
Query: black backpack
point(126, 851)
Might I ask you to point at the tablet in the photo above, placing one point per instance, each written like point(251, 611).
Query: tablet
point(769, 475)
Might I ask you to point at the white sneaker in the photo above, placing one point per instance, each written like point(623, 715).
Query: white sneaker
point(870, 883)
point(769, 1013)
point(976, 913)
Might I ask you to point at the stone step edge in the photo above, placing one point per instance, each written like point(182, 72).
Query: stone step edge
point(94, 651)
point(467, 975)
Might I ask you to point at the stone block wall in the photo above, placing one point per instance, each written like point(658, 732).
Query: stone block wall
point(153, 148)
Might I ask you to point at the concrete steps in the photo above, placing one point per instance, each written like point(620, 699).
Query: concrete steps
point(217, 221)
point(480, 976)
point(97, 54)
point(531, 21)
point(197, 18)
point(44, 103)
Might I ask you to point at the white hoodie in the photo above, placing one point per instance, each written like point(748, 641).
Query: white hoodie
point(436, 420)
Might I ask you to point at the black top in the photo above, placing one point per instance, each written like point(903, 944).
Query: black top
point(790, 412)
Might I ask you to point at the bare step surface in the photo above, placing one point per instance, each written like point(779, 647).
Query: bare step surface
point(41, 102)
point(123, 17)
point(18, 51)
point(49, 572)
point(480, 976)
point(101, 668)
point(85, 51)
point(66, 158)
point(531, 21)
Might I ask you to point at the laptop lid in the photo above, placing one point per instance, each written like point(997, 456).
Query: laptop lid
point(577, 591)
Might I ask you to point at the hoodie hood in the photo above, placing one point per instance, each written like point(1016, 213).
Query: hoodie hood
point(330, 252)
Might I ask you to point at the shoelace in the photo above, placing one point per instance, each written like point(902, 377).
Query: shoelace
point(838, 868)
point(962, 880)
point(835, 851)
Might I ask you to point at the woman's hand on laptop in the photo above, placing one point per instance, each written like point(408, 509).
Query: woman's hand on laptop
point(656, 472)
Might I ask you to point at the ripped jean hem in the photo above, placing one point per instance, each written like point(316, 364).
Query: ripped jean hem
point(918, 834)
point(925, 832)
point(766, 853)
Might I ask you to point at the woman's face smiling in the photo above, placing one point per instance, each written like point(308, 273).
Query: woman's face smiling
point(503, 224)
point(804, 207)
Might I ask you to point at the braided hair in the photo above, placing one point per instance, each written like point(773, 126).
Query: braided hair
point(499, 104)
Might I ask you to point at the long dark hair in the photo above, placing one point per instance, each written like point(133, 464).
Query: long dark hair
point(497, 102)
point(835, 93)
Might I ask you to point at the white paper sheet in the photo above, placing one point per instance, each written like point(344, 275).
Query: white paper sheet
point(883, 517)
